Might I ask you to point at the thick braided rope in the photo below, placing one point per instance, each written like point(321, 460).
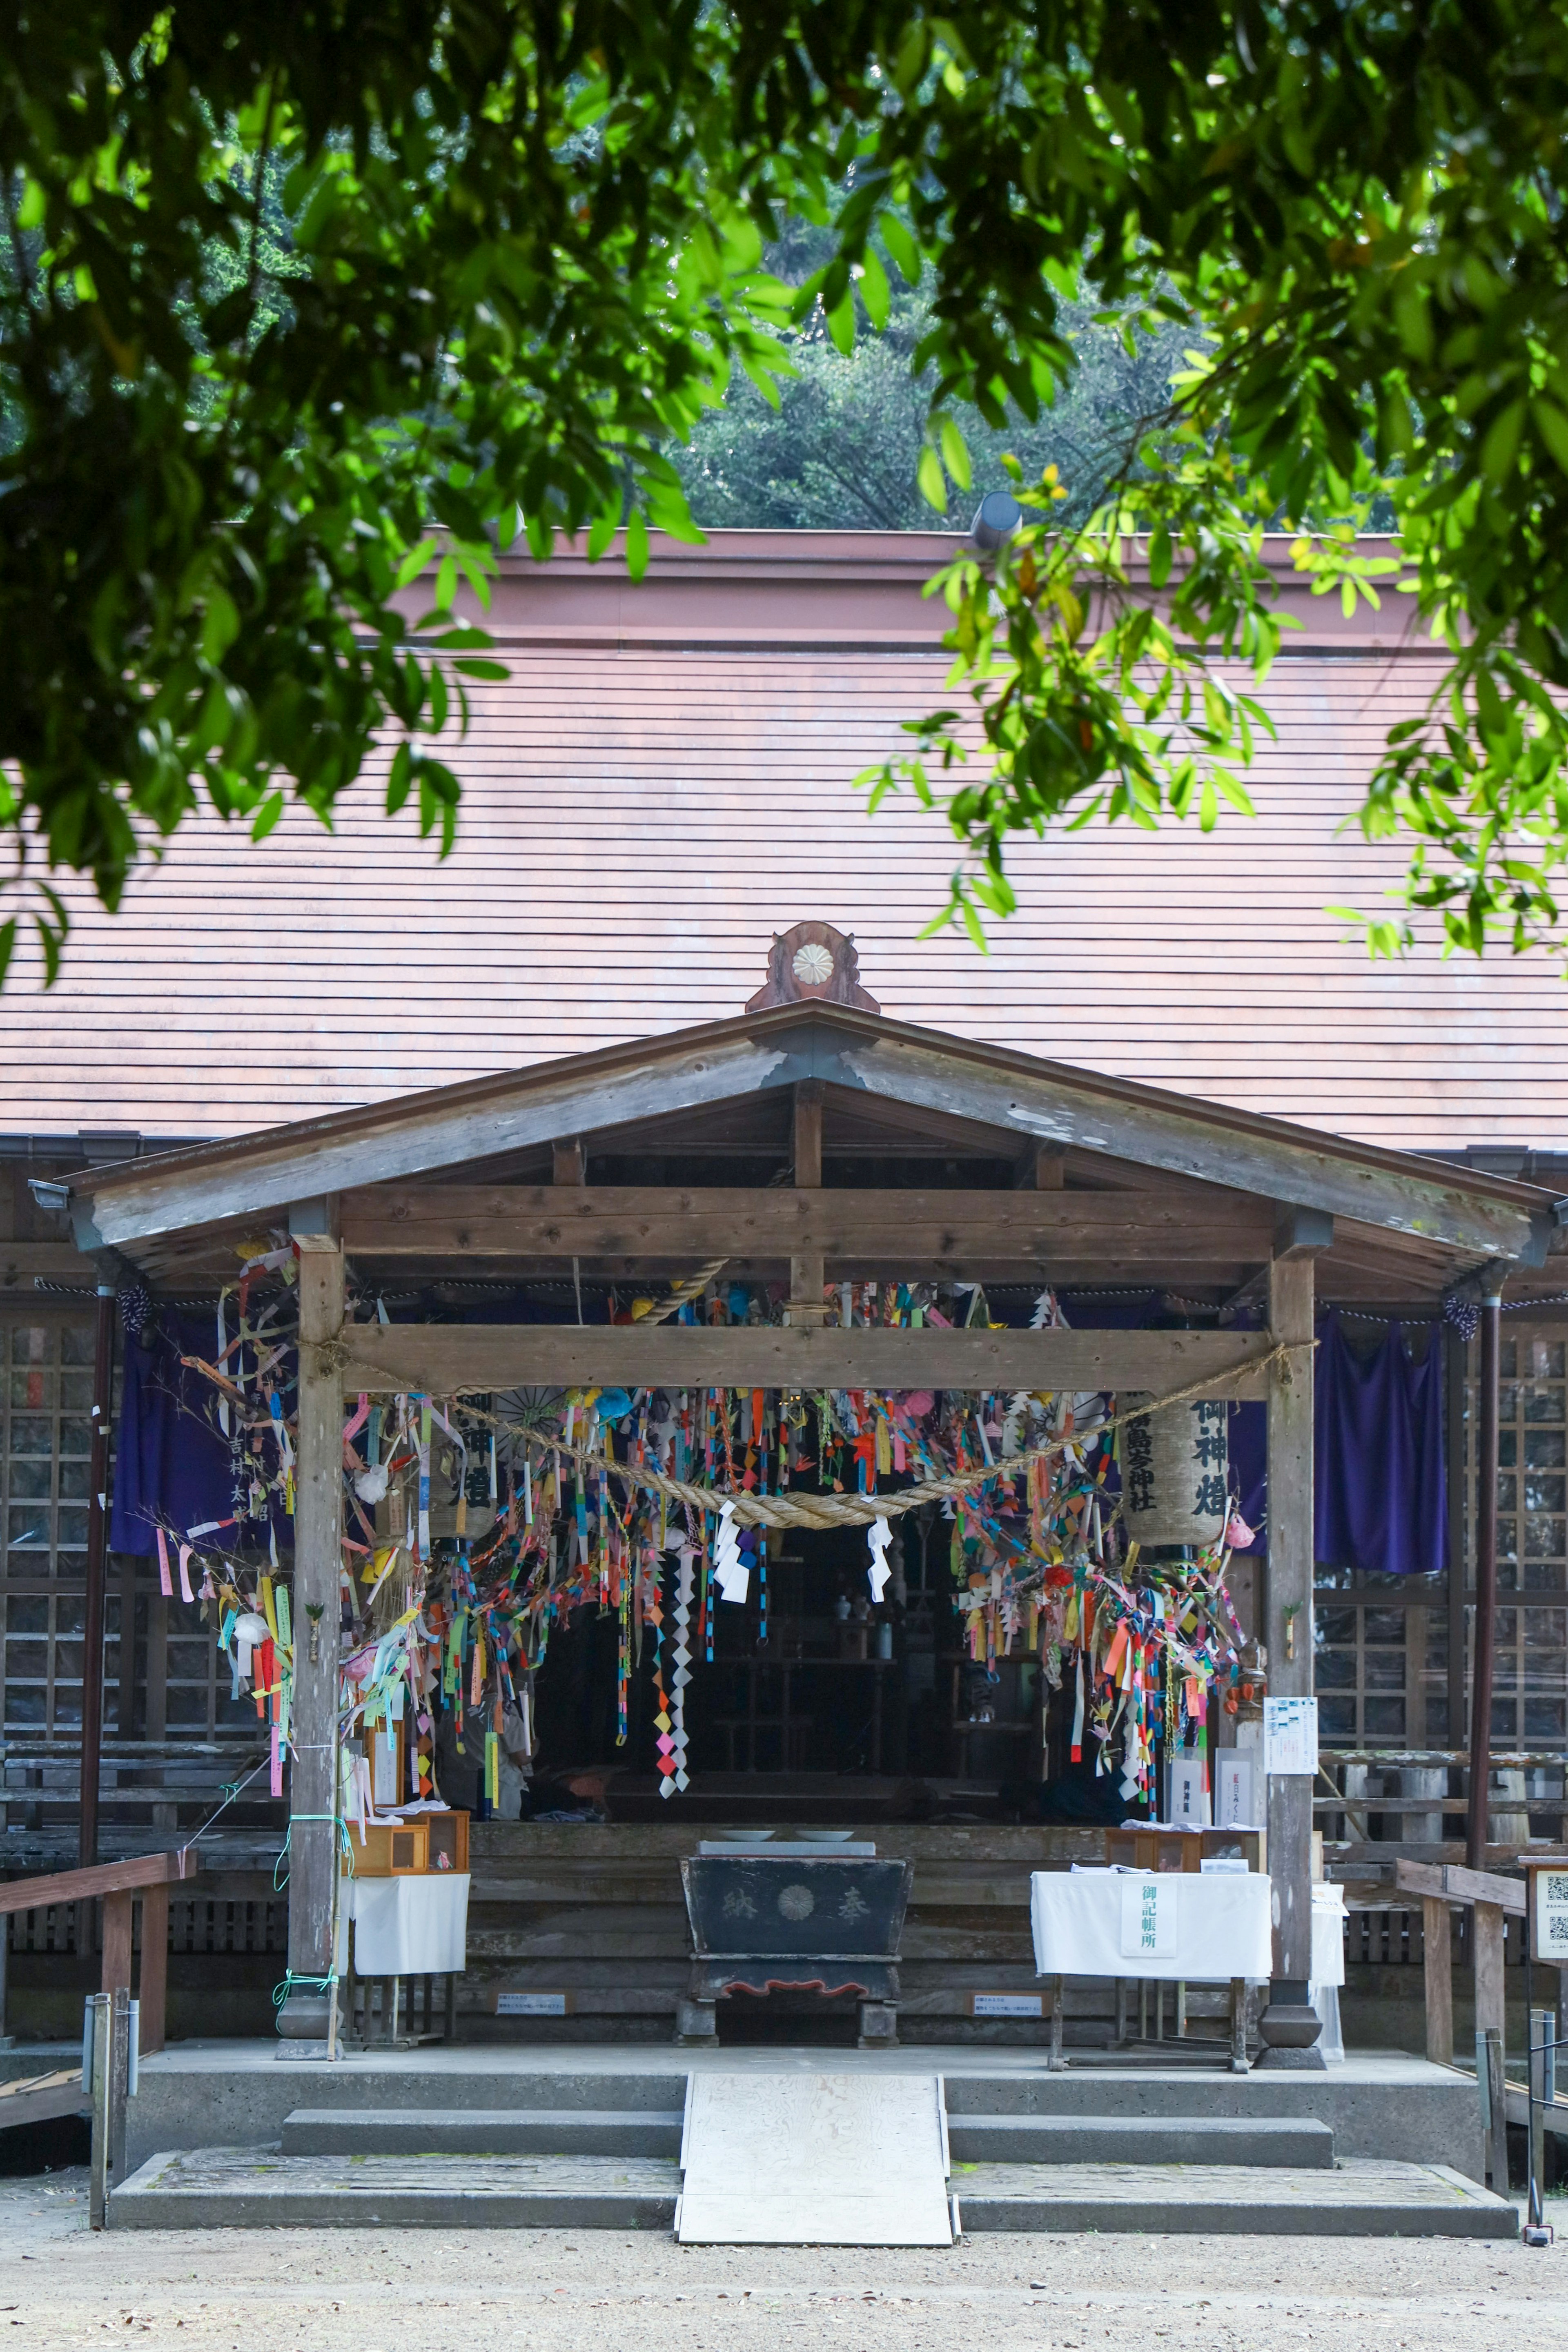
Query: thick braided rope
point(862, 1510)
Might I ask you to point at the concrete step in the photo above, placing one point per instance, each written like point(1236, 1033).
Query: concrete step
point(482, 2131)
point(1359, 2198)
point(1139, 2140)
point(252, 2188)
point(260, 2188)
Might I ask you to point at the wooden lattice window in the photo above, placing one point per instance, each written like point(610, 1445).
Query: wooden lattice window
point(46, 1444)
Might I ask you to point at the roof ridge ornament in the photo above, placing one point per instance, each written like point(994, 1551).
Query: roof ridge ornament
point(813, 961)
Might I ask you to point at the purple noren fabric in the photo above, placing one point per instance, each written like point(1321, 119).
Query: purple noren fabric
point(1380, 1498)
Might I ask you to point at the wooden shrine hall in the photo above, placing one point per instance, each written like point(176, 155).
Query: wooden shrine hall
point(500, 1241)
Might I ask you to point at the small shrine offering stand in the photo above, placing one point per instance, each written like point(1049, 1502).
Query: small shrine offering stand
point(402, 1914)
point(1208, 1926)
point(802, 1922)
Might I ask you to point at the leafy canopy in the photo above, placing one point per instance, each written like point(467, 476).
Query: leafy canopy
point(300, 305)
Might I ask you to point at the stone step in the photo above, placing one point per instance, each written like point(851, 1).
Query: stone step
point(1139, 2140)
point(253, 2187)
point(260, 2188)
point(482, 2131)
point(1360, 2198)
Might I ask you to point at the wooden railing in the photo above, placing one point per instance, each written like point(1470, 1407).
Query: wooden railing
point(118, 1885)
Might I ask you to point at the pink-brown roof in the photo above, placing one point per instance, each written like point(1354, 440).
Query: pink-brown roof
point(667, 779)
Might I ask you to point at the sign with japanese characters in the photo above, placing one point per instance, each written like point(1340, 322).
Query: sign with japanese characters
point(1290, 1735)
point(1148, 1918)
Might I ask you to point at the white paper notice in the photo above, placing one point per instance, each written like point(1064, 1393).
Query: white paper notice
point(1290, 1735)
point(1148, 1918)
point(1234, 1801)
point(1189, 1798)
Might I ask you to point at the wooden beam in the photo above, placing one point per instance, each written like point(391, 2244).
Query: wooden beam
point(103, 1878)
point(317, 1568)
point(777, 1222)
point(1303, 1233)
point(1288, 1620)
point(571, 1161)
point(1455, 1884)
point(807, 1261)
point(443, 1358)
point(808, 1135)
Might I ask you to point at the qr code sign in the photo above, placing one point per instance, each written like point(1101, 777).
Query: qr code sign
point(1552, 1913)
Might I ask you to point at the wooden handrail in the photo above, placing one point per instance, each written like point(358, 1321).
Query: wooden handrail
point(1448, 1881)
point(102, 1878)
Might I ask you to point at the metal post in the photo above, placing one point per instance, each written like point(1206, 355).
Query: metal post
point(97, 1561)
point(1485, 1586)
point(95, 2072)
point(1540, 2038)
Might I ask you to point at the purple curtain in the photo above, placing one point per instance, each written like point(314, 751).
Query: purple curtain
point(172, 1461)
point(1380, 1485)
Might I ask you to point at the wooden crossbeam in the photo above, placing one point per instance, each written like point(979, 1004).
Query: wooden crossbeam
point(1459, 1885)
point(698, 1224)
point(102, 1878)
point(442, 1359)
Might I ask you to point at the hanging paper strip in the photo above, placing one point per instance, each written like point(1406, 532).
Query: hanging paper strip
point(684, 1582)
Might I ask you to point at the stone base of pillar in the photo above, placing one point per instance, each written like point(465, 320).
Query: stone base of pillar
point(304, 2017)
point(1289, 2029)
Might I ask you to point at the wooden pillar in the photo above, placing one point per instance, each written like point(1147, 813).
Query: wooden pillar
point(318, 1559)
point(1290, 2026)
point(97, 1562)
point(152, 1985)
point(808, 1269)
point(1437, 1954)
point(116, 1939)
point(1486, 1582)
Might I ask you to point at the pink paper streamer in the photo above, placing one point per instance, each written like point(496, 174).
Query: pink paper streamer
point(185, 1592)
point(165, 1581)
point(277, 1760)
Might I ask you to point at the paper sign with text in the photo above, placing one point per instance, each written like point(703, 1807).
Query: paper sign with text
point(1290, 1735)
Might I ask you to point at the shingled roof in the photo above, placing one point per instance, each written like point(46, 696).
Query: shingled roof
point(665, 779)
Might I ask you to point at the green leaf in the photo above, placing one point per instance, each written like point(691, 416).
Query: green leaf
point(841, 324)
point(267, 816)
point(955, 455)
point(637, 543)
point(400, 778)
point(220, 625)
point(414, 563)
point(931, 480)
point(875, 291)
point(1501, 447)
point(1552, 426)
point(7, 947)
point(902, 248)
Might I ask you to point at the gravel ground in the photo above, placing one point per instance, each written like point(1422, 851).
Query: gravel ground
point(556, 2290)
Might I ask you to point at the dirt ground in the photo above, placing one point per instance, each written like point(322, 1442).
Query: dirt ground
point(557, 2290)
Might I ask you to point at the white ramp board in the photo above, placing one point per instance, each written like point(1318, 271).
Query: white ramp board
point(815, 2159)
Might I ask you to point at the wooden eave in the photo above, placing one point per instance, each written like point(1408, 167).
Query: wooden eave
point(890, 1090)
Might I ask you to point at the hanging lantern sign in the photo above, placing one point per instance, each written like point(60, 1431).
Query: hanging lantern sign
point(1173, 1471)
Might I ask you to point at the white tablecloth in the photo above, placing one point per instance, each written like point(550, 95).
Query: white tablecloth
point(405, 1926)
point(1204, 1929)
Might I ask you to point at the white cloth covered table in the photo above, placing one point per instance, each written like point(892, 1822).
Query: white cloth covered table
point(414, 1926)
point(1199, 1927)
